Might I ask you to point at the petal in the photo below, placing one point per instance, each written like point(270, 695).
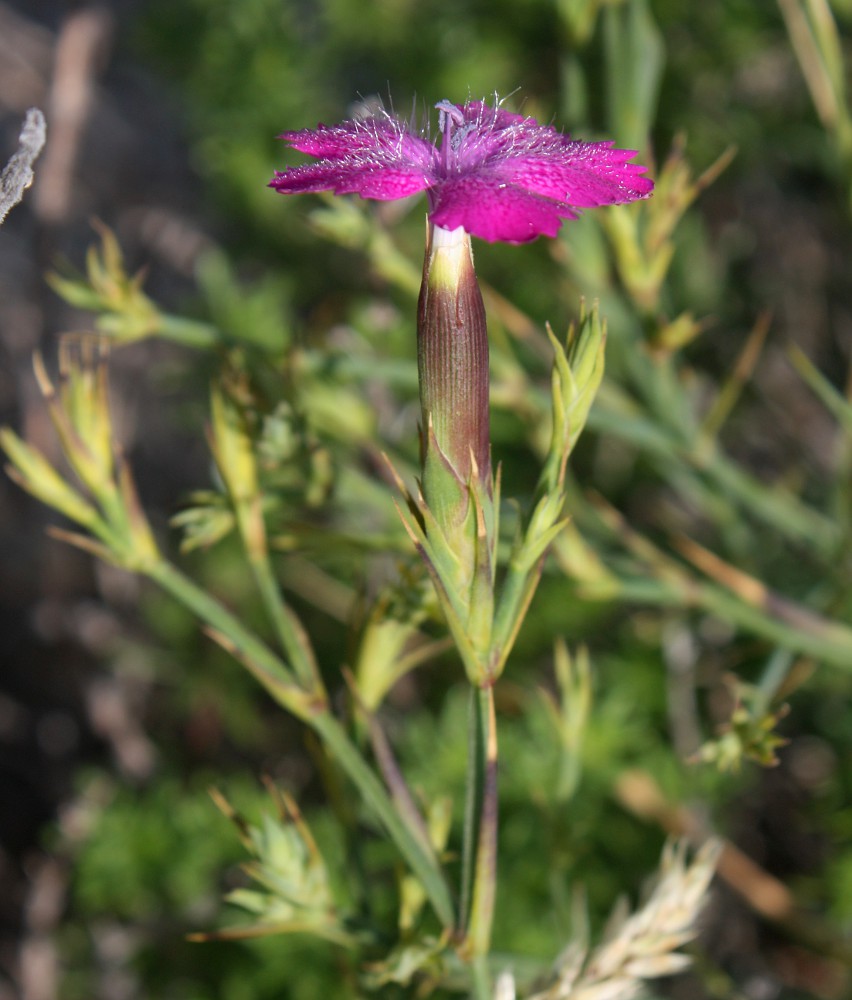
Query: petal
point(503, 148)
point(503, 176)
point(384, 183)
point(584, 174)
point(375, 158)
point(496, 211)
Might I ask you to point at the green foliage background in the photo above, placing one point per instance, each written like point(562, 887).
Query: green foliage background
point(302, 273)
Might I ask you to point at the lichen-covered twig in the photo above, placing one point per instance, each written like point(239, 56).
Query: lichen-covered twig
point(18, 173)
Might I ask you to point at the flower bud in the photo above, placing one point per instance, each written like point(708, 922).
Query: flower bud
point(452, 357)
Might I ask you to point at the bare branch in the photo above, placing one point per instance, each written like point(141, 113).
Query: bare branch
point(18, 173)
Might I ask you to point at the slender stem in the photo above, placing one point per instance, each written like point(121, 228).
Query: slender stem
point(775, 674)
point(236, 458)
point(709, 471)
point(277, 678)
point(374, 794)
point(290, 634)
point(473, 803)
point(827, 640)
point(396, 784)
point(267, 664)
point(485, 877)
point(775, 507)
point(481, 978)
point(189, 332)
point(516, 595)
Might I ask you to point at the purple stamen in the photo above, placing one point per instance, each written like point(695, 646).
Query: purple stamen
point(448, 115)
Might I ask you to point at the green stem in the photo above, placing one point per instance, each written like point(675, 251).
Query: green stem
point(473, 803)
point(290, 634)
point(709, 471)
point(517, 592)
point(276, 677)
point(772, 680)
point(189, 332)
point(481, 978)
point(374, 794)
point(478, 937)
point(269, 668)
point(775, 507)
point(821, 638)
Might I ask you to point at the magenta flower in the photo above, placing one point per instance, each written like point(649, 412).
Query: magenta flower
point(498, 175)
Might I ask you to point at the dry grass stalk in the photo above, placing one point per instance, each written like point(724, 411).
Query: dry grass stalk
point(642, 946)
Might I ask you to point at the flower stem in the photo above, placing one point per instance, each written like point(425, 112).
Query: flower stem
point(481, 979)
point(473, 803)
point(478, 939)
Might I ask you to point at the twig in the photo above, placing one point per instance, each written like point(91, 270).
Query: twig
point(18, 173)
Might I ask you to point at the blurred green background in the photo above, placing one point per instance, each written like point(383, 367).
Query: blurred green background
point(748, 456)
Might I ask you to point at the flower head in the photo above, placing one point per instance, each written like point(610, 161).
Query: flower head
point(498, 175)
